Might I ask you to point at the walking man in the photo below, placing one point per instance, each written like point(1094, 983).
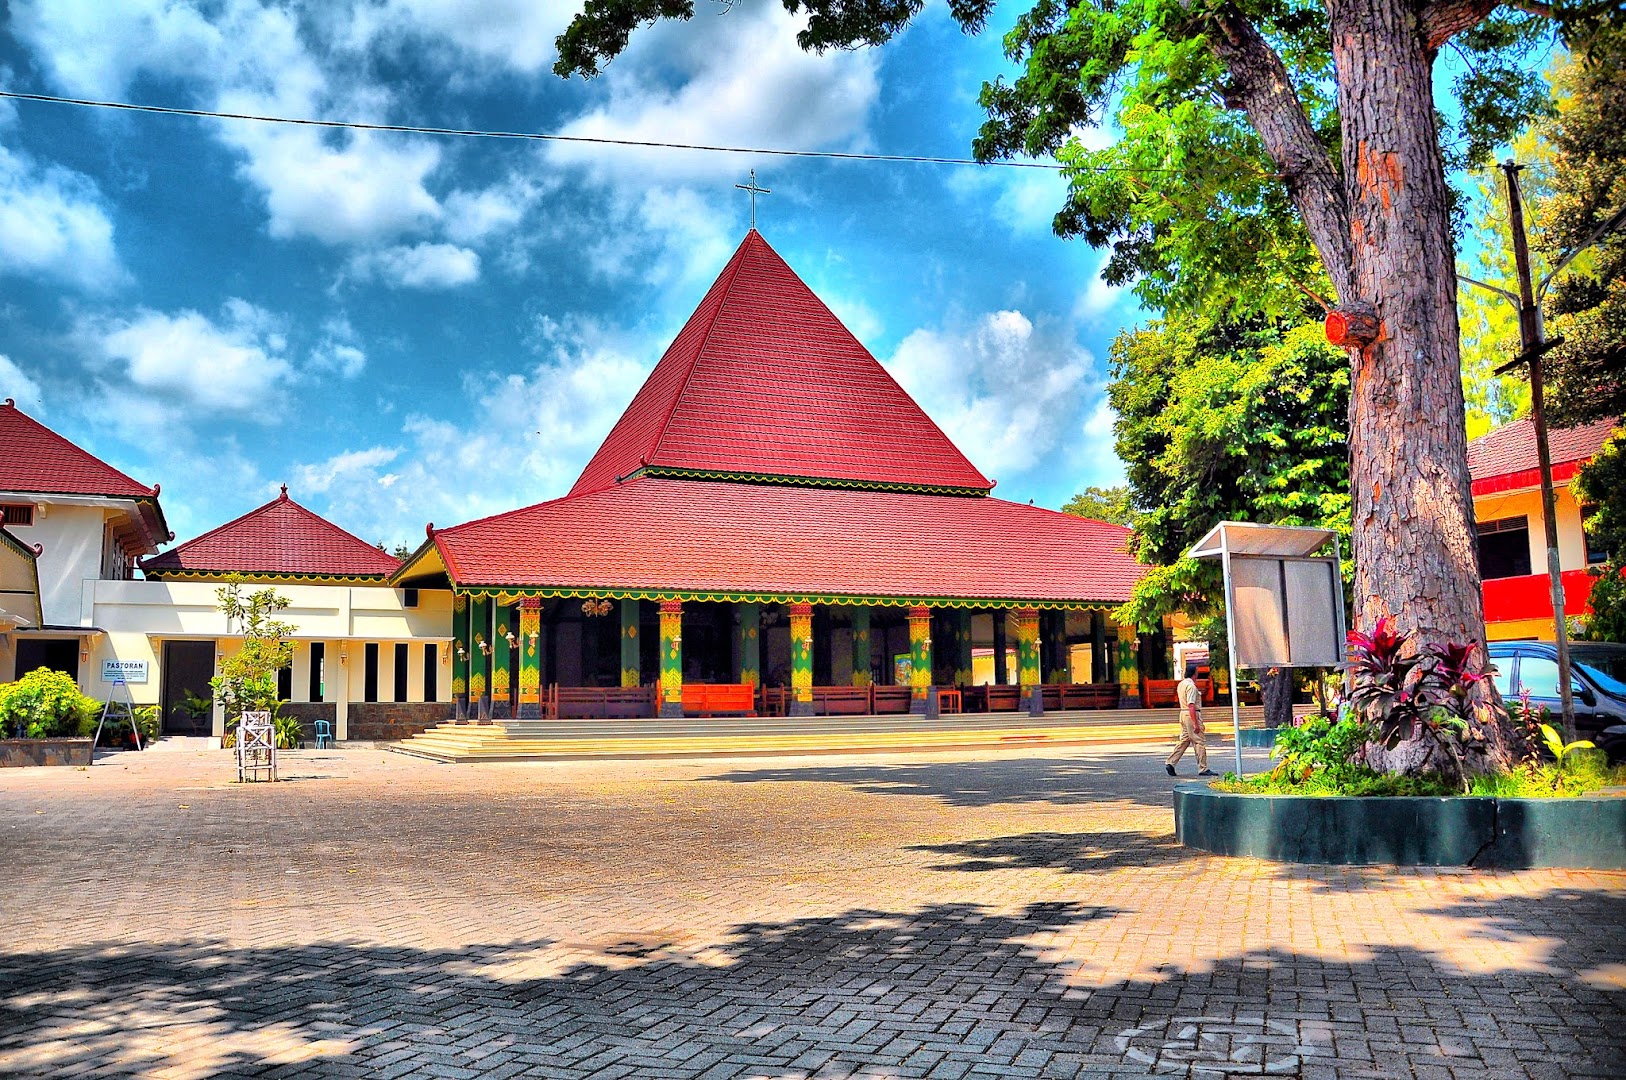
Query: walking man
point(1191, 726)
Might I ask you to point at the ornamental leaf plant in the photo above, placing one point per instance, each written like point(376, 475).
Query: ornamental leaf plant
point(247, 681)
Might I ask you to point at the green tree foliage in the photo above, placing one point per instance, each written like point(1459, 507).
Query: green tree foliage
point(1602, 483)
point(1587, 306)
point(248, 678)
point(1102, 504)
point(1217, 423)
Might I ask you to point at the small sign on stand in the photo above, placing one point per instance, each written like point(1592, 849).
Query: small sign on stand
point(256, 747)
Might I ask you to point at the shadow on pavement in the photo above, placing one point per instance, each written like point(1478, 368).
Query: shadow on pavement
point(1094, 852)
point(932, 992)
point(1120, 777)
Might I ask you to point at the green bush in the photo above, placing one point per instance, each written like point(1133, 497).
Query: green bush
point(46, 704)
point(117, 730)
point(1582, 771)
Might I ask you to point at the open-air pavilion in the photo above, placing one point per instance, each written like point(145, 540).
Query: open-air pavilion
point(775, 526)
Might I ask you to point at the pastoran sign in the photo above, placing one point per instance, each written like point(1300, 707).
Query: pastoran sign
point(125, 671)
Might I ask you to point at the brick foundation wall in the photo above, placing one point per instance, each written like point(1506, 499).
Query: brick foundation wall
point(382, 721)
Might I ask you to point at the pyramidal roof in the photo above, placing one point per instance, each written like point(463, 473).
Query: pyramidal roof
point(39, 461)
point(765, 383)
point(279, 539)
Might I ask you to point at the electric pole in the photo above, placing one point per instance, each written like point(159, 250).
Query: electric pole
point(1532, 339)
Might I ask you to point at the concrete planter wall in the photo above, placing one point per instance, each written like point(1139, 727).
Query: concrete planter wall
point(21, 752)
point(1584, 833)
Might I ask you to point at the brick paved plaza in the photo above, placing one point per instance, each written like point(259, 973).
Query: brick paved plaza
point(976, 915)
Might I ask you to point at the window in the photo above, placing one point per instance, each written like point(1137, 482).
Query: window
point(409, 597)
point(369, 678)
point(318, 661)
point(1502, 677)
point(1504, 548)
point(1539, 676)
point(17, 514)
point(1594, 551)
point(401, 650)
point(431, 688)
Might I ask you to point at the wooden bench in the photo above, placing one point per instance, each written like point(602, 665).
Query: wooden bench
point(949, 700)
point(1087, 696)
point(1161, 693)
point(890, 700)
point(600, 702)
point(992, 698)
point(841, 700)
point(719, 699)
point(773, 701)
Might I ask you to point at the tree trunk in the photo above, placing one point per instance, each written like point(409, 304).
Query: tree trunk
point(1414, 537)
point(1276, 693)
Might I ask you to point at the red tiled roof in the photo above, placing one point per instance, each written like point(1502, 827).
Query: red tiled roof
point(280, 538)
point(697, 536)
point(36, 459)
point(1505, 459)
point(764, 380)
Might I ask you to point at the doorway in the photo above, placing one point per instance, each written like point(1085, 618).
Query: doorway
point(188, 666)
point(56, 654)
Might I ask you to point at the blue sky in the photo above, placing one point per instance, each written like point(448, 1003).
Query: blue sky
point(406, 329)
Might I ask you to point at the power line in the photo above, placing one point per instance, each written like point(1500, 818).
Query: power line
point(537, 136)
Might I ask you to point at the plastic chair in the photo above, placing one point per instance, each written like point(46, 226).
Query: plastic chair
point(324, 734)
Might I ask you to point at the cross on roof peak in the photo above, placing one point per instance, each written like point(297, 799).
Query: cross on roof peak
point(755, 190)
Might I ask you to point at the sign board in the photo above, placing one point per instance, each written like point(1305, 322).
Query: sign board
point(1285, 613)
point(125, 671)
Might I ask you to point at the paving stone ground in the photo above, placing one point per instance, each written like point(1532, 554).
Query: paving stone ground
point(978, 915)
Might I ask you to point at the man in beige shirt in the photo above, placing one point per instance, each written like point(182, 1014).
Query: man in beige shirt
point(1191, 726)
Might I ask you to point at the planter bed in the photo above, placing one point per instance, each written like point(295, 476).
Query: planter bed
point(1588, 832)
point(23, 752)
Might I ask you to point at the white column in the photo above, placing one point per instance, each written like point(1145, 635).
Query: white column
point(339, 682)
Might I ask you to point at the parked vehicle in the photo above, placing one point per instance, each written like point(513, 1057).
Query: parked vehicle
point(1599, 676)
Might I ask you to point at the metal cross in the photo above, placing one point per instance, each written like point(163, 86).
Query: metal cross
point(755, 191)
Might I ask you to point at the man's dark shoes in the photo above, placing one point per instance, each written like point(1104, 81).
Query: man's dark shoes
point(1170, 768)
point(1206, 772)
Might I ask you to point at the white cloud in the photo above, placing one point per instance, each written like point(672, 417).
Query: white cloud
point(157, 372)
point(750, 85)
point(338, 352)
point(542, 424)
point(1024, 200)
point(21, 387)
point(54, 222)
point(421, 266)
point(1010, 394)
point(518, 34)
point(1098, 298)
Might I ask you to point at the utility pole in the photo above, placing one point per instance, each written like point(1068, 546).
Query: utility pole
point(1532, 338)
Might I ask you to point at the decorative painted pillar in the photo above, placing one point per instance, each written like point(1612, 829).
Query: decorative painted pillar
point(861, 647)
point(1128, 662)
point(801, 660)
point(962, 647)
point(530, 658)
point(1002, 675)
point(751, 644)
point(1027, 660)
point(671, 698)
point(921, 698)
point(480, 656)
point(461, 646)
point(632, 675)
point(503, 639)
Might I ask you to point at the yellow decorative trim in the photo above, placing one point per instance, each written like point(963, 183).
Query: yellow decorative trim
point(824, 599)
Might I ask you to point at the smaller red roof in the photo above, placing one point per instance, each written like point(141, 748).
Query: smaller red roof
point(36, 459)
point(1505, 459)
point(279, 539)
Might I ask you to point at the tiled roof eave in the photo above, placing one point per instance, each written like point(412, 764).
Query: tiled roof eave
point(770, 596)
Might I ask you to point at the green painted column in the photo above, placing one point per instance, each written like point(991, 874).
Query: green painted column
point(801, 660)
point(632, 674)
point(530, 658)
point(962, 647)
point(920, 660)
point(751, 644)
point(506, 621)
point(480, 656)
point(1027, 659)
point(461, 647)
point(861, 647)
point(671, 690)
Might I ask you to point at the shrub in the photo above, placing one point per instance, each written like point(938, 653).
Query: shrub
point(46, 704)
point(1320, 744)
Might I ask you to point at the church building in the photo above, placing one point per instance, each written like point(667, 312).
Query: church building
point(775, 525)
